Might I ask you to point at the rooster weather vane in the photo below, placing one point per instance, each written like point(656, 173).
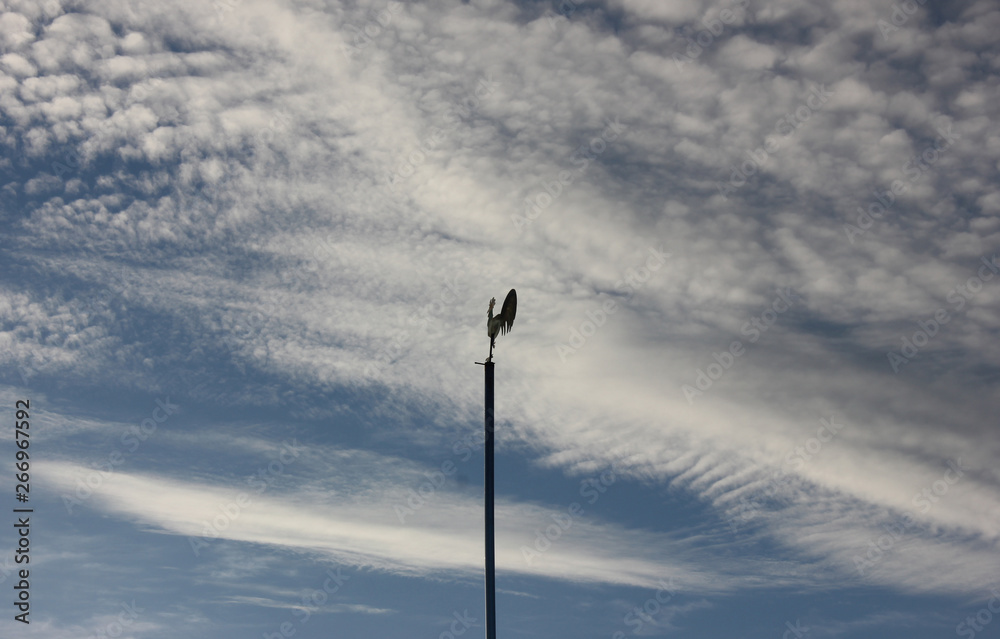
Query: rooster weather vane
point(501, 323)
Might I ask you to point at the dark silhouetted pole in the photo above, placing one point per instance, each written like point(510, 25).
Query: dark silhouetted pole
point(497, 325)
point(491, 602)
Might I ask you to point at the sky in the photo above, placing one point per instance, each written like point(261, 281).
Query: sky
point(246, 253)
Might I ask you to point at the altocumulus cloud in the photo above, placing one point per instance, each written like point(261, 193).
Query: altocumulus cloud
point(196, 204)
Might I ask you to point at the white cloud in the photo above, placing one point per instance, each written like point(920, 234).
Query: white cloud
point(442, 538)
point(219, 166)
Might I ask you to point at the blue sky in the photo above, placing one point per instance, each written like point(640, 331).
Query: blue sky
point(751, 391)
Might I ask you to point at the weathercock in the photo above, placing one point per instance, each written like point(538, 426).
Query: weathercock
point(501, 323)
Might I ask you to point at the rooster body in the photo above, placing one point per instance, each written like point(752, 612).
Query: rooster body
point(502, 323)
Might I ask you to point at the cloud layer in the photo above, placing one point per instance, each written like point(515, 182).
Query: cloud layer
point(725, 221)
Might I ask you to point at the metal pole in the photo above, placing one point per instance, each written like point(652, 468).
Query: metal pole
point(491, 604)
